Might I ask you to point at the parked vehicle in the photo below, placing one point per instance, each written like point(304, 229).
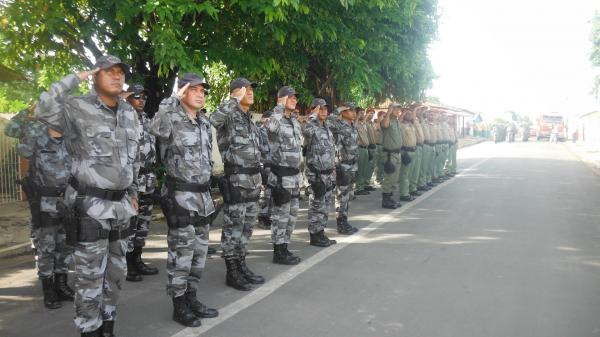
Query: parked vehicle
point(545, 124)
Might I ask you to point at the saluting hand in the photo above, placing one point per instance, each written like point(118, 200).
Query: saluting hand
point(239, 93)
point(181, 92)
point(282, 100)
point(85, 74)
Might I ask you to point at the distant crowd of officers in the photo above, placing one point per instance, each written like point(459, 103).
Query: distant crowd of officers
point(92, 178)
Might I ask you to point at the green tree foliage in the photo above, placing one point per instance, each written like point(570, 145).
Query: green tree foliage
point(364, 51)
point(595, 55)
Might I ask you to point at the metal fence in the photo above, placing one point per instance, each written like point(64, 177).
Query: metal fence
point(10, 165)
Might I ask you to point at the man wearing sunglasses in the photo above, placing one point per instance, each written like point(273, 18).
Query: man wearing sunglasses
point(136, 97)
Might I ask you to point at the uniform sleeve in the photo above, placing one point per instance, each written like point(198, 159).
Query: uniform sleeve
point(16, 126)
point(307, 132)
point(161, 125)
point(137, 163)
point(53, 106)
point(218, 118)
point(273, 125)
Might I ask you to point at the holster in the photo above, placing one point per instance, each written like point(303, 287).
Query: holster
point(71, 220)
point(405, 158)
point(264, 175)
point(177, 216)
point(388, 166)
point(318, 188)
point(230, 195)
point(280, 194)
point(342, 178)
point(371, 153)
point(33, 198)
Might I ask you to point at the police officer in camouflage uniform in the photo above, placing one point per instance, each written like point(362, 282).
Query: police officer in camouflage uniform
point(416, 174)
point(372, 148)
point(265, 202)
point(426, 151)
point(409, 147)
point(320, 171)
point(44, 185)
point(362, 179)
point(100, 131)
point(392, 148)
point(379, 154)
point(136, 96)
point(341, 123)
point(185, 137)
point(239, 144)
point(285, 178)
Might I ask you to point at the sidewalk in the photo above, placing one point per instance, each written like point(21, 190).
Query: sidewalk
point(14, 218)
point(590, 155)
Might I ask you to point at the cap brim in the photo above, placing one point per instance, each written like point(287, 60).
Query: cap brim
point(124, 67)
point(204, 84)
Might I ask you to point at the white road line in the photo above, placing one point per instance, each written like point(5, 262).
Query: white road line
point(283, 278)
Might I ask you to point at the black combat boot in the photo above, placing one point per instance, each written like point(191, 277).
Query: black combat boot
point(319, 239)
point(282, 256)
point(51, 300)
point(141, 267)
point(415, 193)
point(423, 188)
point(407, 198)
point(343, 227)
point(234, 277)
point(64, 292)
point(199, 309)
point(95, 333)
point(248, 274)
point(362, 192)
point(132, 273)
point(370, 188)
point(182, 313)
point(388, 202)
point(107, 329)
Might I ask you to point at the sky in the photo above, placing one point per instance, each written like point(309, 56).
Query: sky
point(528, 56)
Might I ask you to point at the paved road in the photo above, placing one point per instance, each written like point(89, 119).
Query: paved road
point(510, 247)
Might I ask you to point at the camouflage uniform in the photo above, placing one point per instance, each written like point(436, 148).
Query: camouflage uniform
point(239, 143)
point(285, 143)
point(186, 148)
point(146, 181)
point(414, 178)
point(424, 175)
point(265, 204)
point(103, 144)
point(320, 168)
point(363, 156)
point(409, 146)
point(346, 137)
point(49, 166)
point(379, 154)
point(372, 151)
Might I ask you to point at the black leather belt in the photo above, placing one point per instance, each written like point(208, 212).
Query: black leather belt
point(284, 171)
point(113, 195)
point(326, 172)
point(391, 151)
point(237, 169)
point(363, 147)
point(51, 191)
point(409, 148)
point(348, 162)
point(174, 184)
point(144, 170)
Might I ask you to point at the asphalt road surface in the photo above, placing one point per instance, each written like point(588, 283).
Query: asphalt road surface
point(509, 247)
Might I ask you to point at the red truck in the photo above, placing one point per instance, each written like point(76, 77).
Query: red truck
point(545, 124)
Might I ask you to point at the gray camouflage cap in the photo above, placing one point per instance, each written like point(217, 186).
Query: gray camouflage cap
point(319, 102)
point(193, 79)
point(286, 91)
point(241, 82)
point(107, 61)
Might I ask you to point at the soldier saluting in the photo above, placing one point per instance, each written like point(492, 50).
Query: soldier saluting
point(100, 131)
point(239, 144)
point(320, 171)
point(44, 185)
point(185, 138)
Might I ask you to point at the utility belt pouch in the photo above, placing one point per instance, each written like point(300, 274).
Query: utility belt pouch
point(318, 188)
point(388, 166)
